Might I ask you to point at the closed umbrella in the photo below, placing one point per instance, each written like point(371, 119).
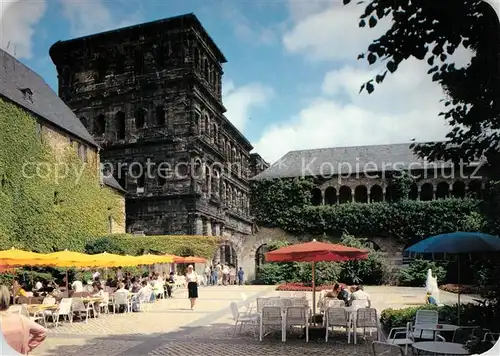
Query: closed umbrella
point(315, 251)
point(459, 244)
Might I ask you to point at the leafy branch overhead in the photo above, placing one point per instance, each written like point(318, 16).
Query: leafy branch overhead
point(433, 31)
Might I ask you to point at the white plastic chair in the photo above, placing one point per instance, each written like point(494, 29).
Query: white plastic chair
point(78, 307)
point(337, 317)
point(241, 318)
point(271, 317)
point(491, 337)
point(263, 302)
point(425, 317)
point(63, 310)
point(360, 303)
point(401, 336)
point(105, 303)
point(298, 295)
point(366, 318)
point(494, 351)
point(121, 298)
point(296, 316)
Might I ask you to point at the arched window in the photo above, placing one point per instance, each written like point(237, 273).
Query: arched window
point(390, 193)
point(442, 190)
point(160, 115)
point(100, 124)
point(376, 194)
point(426, 192)
point(413, 194)
point(330, 196)
point(361, 194)
point(316, 198)
point(475, 189)
point(345, 194)
point(120, 125)
point(140, 118)
point(459, 189)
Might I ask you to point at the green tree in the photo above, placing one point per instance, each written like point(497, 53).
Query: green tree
point(433, 30)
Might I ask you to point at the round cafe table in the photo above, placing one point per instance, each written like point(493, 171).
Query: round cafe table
point(434, 328)
point(441, 348)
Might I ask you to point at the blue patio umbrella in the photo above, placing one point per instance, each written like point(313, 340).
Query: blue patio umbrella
point(457, 243)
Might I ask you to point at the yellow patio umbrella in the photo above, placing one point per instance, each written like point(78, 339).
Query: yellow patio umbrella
point(150, 259)
point(111, 260)
point(72, 259)
point(19, 258)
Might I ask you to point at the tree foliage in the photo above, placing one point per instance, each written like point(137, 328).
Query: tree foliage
point(38, 210)
point(433, 31)
point(404, 219)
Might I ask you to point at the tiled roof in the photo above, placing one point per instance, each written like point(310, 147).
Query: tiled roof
point(21, 85)
point(345, 160)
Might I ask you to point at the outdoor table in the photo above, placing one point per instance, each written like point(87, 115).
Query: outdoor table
point(36, 308)
point(435, 328)
point(441, 348)
point(92, 299)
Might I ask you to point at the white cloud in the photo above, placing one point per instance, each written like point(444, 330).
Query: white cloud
point(89, 17)
point(404, 107)
point(17, 21)
point(239, 101)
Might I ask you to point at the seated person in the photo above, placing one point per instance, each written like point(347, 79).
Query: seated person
point(170, 284)
point(342, 293)
point(140, 296)
point(360, 294)
point(429, 299)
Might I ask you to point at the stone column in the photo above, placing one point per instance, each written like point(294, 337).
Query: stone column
point(209, 227)
point(383, 194)
point(434, 193)
point(217, 229)
point(419, 190)
point(198, 225)
point(322, 197)
point(368, 198)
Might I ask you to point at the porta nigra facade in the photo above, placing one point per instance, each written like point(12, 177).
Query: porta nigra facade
point(151, 96)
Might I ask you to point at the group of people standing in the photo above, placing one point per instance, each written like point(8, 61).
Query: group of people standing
point(224, 275)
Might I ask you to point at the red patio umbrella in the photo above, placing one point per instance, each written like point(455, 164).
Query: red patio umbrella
point(315, 251)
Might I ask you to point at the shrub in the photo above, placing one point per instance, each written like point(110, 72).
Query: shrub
point(370, 271)
point(415, 274)
point(273, 273)
point(484, 316)
point(181, 245)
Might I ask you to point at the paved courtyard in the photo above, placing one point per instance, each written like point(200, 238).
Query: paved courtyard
point(169, 327)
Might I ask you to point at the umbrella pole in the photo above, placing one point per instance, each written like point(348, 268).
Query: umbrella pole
point(458, 277)
point(314, 291)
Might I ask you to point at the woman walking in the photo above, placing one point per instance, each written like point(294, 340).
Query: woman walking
point(192, 285)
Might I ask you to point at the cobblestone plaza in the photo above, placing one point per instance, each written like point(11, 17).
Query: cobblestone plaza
point(169, 327)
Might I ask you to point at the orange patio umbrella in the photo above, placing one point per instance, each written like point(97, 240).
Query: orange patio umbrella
point(150, 259)
point(191, 259)
point(315, 251)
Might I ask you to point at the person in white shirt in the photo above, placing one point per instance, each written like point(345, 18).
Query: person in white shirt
point(208, 273)
point(360, 294)
point(77, 286)
point(192, 285)
point(38, 285)
point(225, 275)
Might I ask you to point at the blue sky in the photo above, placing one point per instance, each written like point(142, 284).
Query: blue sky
point(292, 78)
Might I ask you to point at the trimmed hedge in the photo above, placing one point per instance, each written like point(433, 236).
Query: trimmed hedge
point(181, 245)
point(285, 203)
point(470, 315)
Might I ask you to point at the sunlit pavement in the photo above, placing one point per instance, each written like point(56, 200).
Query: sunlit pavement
point(169, 327)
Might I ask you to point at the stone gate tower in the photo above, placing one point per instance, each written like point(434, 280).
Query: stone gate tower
point(151, 95)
